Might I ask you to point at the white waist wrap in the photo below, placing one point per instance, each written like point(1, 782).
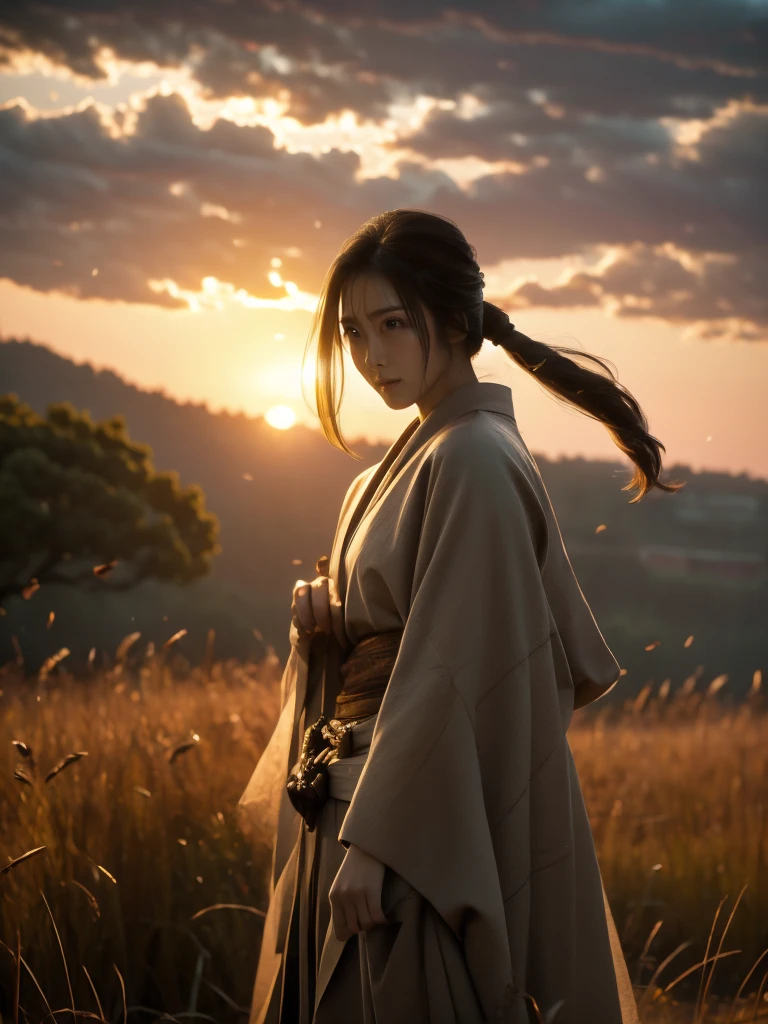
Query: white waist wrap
point(343, 773)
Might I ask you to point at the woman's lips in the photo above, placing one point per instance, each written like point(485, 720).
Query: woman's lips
point(389, 384)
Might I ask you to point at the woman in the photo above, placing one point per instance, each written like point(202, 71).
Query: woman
point(450, 877)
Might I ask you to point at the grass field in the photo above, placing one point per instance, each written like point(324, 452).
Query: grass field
point(139, 893)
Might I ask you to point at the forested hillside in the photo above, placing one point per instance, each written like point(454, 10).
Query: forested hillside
point(660, 570)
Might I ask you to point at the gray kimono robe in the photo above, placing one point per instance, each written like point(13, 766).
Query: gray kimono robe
point(469, 791)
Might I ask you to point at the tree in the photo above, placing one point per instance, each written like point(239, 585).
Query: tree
point(74, 492)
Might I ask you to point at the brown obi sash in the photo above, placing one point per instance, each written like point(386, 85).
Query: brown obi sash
point(365, 674)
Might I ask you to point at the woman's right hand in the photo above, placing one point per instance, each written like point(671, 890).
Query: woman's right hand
point(311, 606)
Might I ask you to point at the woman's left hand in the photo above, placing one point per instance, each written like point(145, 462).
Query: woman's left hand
point(355, 894)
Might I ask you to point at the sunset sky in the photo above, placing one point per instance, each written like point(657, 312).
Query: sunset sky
point(173, 192)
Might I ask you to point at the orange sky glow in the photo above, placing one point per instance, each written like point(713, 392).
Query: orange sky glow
point(237, 335)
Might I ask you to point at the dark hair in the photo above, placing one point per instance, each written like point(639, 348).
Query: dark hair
point(430, 263)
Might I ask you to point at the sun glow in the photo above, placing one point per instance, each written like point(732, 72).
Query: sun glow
point(281, 417)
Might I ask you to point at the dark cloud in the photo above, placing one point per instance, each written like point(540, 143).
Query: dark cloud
point(527, 131)
point(607, 57)
point(670, 285)
point(592, 181)
point(583, 101)
point(234, 49)
point(73, 197)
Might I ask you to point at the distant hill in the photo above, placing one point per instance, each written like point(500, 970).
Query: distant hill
point(288, 510)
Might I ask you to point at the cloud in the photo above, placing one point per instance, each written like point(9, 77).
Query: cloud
point(717, 295)
point(651, 56)
point(76, 197)
point(619, 129)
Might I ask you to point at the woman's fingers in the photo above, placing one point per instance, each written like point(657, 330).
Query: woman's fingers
point(343, 899)
point(303, 616)
point(311, 608)
point(343, 916)
point(355, 911)
point(362, 912)
point(321, 606)
point(376, 914)
point(355, 894)
point(350, 915)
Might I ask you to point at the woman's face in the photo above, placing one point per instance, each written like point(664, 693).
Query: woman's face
point(384, 346)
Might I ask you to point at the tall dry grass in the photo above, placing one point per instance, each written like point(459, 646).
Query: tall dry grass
point(138, 837)
point(145, 901)
point(676, 784)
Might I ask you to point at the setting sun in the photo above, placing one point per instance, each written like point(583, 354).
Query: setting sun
point(281, 417)
point(533, 504)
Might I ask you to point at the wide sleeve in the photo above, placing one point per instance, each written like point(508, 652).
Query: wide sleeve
point(264, 810)
point(456, 714)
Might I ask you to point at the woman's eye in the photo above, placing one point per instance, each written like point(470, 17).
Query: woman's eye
point(351, 334)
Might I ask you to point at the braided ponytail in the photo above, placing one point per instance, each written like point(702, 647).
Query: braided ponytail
point(600, 397)
point(431, 265)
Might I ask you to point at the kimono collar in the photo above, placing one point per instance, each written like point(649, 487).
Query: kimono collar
point(473, 397)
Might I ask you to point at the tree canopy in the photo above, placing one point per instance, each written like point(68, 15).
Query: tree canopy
point(74, 492)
